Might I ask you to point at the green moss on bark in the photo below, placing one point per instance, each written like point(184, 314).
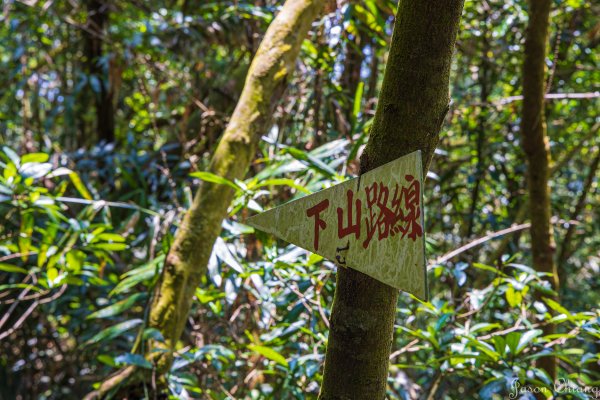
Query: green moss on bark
point(412, 105)
point(188, 257)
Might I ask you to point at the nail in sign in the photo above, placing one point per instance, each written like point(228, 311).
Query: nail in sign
point(373, 224)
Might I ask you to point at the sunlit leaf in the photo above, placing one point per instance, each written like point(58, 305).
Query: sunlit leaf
point(119, 307)
point(210, 177)
point(133, 359)
point(114, 331)
point(269, 353)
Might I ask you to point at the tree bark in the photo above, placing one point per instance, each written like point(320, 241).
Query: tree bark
point(96, 25)
point(413, 102)
point(485, 86)
point(537, 150)
point(351, 72)
point(188, 257)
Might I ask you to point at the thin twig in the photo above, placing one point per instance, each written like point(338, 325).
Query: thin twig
point(477, 242)
point(20, 321)
point(404, 349)
point(550, 96)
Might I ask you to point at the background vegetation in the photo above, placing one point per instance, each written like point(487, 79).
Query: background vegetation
point(109, 114)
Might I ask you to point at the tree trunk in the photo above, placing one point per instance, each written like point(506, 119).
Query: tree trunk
point(98, 74)
point(480, 146)
point(187, 260)
point(412, 105)
point(188, 257)
point(536, 147)
point(351, 72)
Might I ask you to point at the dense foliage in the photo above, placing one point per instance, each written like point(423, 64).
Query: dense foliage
point(86, 223)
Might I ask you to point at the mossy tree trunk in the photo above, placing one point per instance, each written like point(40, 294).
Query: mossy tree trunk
point(536, 148)
point(412, 105)
point(188, 257)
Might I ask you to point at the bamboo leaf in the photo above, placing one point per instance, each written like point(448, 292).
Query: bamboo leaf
point(118, 307)
point(133, 359)
point(114, 331)
point(12, 268)
point(527, 338)
point(210, 177)
point(269, 353)
point(76, 180)
point(35, 158)
point(109, 246)
point(283, 182)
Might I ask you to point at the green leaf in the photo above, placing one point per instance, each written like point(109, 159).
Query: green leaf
point(526, 269)
point(356, 105)
point(109, 246)
point(35, 158)
point(12, 268)
point(499, 345)
point(210, 177)
point(10, 171)
point(75, 259)
point(269, 353)
point(137, 275)
point(283, 182)
point(543, 289)
point(512, 341)
point(488, 268)
point(59, 172)
point(35, 170)
point(110, 237)
point(527, 338)
point(12, 156)
point(114, 331)
point(51, 276)
point(513, 297)
point(20, 286)
point(484, 327)
point(106, 359)
point(556, 306)
point(76, 180)
point(312, 161)
point(118, 307)
point(26, 230)
point(153, 333)
point(133, 359)
point(485, 348)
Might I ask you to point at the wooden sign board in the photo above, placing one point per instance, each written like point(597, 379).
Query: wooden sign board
point(373, 224)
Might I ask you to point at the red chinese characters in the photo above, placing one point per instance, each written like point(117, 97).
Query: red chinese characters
point(401, 216)
point(320, 224)
point(351, 227)
point(390, 211)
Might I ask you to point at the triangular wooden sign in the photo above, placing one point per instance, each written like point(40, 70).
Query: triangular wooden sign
point(373, 224)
